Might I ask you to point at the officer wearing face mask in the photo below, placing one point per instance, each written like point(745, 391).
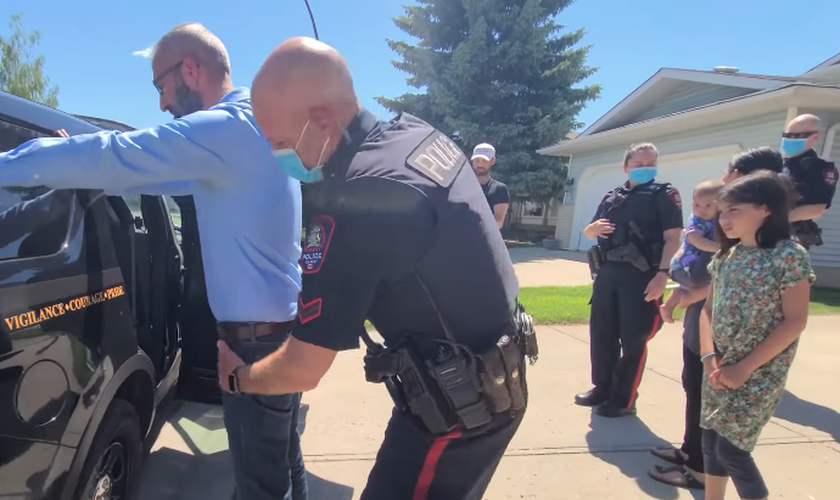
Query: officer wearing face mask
point(214, 151)
point(637, 226)
point(815, 179)
point(398, 232)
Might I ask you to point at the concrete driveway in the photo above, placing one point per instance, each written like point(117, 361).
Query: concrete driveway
point(536, 266)
point(561, 451)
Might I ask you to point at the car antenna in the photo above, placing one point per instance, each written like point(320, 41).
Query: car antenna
point(312, 19)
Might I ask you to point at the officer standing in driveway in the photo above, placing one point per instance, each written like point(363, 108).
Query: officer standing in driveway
point(399, 233)
point(637, 226)
point(249, 217)
point(815, 179)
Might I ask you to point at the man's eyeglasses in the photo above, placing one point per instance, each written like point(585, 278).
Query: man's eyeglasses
point(156, 81)
point(798, 135)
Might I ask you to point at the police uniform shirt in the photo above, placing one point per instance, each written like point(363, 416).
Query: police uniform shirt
point(396, 202)
point(815, 179)
point(655, 207)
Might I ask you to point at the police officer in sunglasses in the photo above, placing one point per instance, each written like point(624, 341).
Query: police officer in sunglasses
point(815, 179)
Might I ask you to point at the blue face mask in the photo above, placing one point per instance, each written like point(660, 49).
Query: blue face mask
point(793, 147)
point(641, 175)
point(289, 161)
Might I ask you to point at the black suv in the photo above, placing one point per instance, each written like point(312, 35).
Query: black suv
point(98, 294)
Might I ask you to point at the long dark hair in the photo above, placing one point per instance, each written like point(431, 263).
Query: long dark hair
point(762, 158)
point(762, 188)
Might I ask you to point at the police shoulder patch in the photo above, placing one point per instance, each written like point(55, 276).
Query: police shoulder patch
point(674, 196)
point(829, 174)
point(318, 238)
point(437, 158)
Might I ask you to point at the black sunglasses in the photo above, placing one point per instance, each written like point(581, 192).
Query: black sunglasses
point(798, 135)
point(158, 78)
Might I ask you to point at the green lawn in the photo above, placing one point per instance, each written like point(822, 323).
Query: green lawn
point(570, 304)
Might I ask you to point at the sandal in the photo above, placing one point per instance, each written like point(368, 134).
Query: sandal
point(675, 476)
point(671, 455)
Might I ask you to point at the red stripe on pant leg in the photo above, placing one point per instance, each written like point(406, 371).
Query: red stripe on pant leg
point(657, 321)
point(427, 473)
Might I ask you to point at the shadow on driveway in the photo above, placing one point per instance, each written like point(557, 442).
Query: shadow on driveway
point(625, 443)
point(170, 474)
point(808, 414)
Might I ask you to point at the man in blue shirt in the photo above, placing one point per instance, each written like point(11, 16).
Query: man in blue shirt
point(249, 219)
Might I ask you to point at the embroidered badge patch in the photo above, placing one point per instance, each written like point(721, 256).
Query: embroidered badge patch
point(674, 196)
point(309, 311)
point(437, 158)
point(318, 238)
point(830, 176)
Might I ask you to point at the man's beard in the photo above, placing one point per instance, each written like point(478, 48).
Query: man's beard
point(186, 101)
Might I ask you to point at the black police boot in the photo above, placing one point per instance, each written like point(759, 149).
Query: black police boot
point(592, 397)
point(612, 410)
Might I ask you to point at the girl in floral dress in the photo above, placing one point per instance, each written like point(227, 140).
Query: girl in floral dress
point(756, 310)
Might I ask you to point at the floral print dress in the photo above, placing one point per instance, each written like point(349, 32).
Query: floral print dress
point(746, 307)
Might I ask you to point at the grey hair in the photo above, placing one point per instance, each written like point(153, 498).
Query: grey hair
point(638, 148)
point(197, 42)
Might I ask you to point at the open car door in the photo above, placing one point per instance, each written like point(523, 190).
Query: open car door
point(165, 229)
point(199, 380)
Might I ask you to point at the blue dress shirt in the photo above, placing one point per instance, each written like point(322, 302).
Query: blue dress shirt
point(248, 210)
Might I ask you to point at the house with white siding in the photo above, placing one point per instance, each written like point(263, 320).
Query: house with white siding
point(698, 121)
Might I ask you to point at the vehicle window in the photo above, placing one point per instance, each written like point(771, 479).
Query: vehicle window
point(133, 202)
point(174, 215)
point(33, 220)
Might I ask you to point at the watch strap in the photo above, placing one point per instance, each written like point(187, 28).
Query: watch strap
point(233, 380)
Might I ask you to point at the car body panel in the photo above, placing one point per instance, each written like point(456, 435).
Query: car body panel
point(67, 328)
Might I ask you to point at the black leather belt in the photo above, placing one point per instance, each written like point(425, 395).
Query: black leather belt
point(230, 332)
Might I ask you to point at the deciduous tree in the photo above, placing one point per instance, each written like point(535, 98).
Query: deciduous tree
point(21, 72)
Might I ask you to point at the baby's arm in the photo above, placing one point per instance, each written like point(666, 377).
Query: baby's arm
point(696, 238)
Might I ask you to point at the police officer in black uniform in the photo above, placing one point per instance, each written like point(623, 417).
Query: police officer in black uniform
point(638, 227)
point(399, 233)
point(815, 179)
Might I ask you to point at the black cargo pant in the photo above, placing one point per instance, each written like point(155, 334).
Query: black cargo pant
point(692, 381)
point(414, 465)
point(620, 325)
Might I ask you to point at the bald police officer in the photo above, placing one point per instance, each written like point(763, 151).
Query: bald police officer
point(815, 179)
point(398, 232)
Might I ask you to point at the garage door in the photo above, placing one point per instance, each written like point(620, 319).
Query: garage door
point(683, 171)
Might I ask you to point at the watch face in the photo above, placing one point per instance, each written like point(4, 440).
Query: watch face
point(233, 383)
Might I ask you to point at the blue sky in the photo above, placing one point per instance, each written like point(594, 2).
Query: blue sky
point(88, 45)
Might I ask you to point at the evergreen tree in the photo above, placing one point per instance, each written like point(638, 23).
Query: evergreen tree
point(20, 73)
point(497, 71)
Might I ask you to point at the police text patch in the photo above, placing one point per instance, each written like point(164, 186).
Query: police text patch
point(318, 238)
point(437, 158)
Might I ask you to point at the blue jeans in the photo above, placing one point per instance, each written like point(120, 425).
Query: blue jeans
point(263, 435)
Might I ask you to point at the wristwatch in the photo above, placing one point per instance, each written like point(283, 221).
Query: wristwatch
point(233, 380)
point(662, 271)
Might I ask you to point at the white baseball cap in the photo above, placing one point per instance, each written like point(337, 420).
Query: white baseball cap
point(485, 151)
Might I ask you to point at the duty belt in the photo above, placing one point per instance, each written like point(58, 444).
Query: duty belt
point(451, 385)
